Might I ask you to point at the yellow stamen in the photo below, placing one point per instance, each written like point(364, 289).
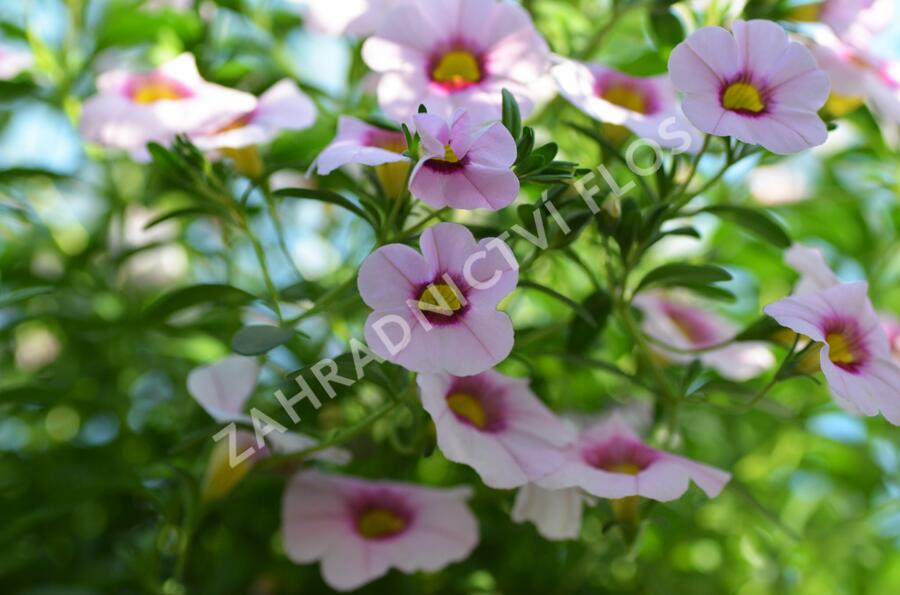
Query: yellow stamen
point(626, 97)
point(152, 91)
point(840, 350)
point(440, 298)
point(627, 468)
point(378, 522)
point(457, 68)
point(743, 97)
point(449, 155)
point(468, 407)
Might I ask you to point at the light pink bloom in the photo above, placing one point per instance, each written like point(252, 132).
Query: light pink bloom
point(437, 311)
point(462, 168)
point(133, 109)
point(646, 106)
point(610, 461)
point(358, 142)
point(223, 389)
point(891, 326)
point(555, 513)
point(13, 61)
point(857, 20)
point(359, 18)
point(858, 75)
point(456, 54)
point(360, 529)
point(855, 355)
point(809, 262)
point(688, 327)
point(283, 107)
point(496, 425)
point(755, 85)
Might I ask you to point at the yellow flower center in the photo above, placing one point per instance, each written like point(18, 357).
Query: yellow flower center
point(376, 523)
point(440, 298)
point(627, 468)
point(469, 408)
point(449, 155)
point(840, 349)
point(743, 97)
point(457, 68)
point(626, 97)
point(153, 90)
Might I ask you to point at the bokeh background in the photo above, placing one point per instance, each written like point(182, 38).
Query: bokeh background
point(101, 448)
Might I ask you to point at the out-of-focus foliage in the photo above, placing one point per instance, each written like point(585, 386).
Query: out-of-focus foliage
point(102, 450)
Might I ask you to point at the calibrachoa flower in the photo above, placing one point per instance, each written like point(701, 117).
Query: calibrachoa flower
point(646, 106)
point(351, 17)
point(809, 262)
point(891, 326)
point(359, 529)
point(456, 54)
point(855, 355)
point(437, 311)
point(555, 513)
point(358, 142)
point(132, 109)
point(610, 461)
point(856, 20)
point(496, 425)
point(462, 168)
point(755, 85)
point(223, 389)
point(13, 61)
point(687, 327)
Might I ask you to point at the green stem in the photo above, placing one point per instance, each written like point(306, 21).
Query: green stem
point(272, 206)
point(264, 267)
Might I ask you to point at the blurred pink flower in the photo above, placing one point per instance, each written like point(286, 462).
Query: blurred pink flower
point(891, 326)
point(437, 311)
point(809, 262)
point(496, 425)
point(610, 461)
point(755, 85)
point(855, 355)
point(360, 529)
point(362, 143)
point(132, 109)
point(555, 513)
point(14, 61)
point(359, 18)
point(685, 327)
point(857, 20)
point(462, 168)
point(283, 107)
point(456, 54)
point(646, 106)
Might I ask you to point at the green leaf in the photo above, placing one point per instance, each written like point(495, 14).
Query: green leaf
point(684, 275)
point(185, 212)
point(762, 329)
point(329, 197)
point(580, 310)
point(666, 27)
point(21, 295)
point(185, 297)
point(512, 117)
point(599, 304)
point(755, 221)
point(259, 339)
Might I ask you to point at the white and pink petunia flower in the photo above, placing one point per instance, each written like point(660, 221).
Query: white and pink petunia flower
point(810, 263)
point(857, 20)
point(223, 388)
point(555, 513)
point(855, 355)
point(359, 529)
point(645, 106)
point(496, 425)
point(464, 168)
point(283, 107)
point(359, 18)
point(457, 54)
point(891, 326)
point(755, 85)
point(132, 109)
point(14, 61)
point(437, 311)
point(610, 461)
point(858, 76)
point(685, 328)
point(359, 142)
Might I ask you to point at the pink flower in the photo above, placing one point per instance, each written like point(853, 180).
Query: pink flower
point(610, 461)
point(555, 513)
point(644, 105)
point(348, 17)
point(686, 327)
point(755, 85)
point(437, 311)
point(462, 168)
point(133, 109)
point(456, 54)
point(283, 107)
point(858, 76)
point(360, 529)
point(891, 326)
point(809, 262)
point(362, 143)
point(855, 355)
point(223, 389)
point(496, 425)
point(857, 20)
point(13, 61)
